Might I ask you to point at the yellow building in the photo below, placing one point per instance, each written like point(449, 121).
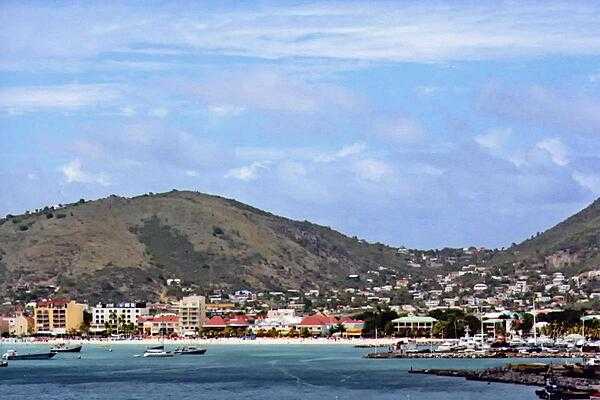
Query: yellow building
point(58, 317)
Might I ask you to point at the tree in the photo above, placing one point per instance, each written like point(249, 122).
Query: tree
point(379, 320)
point(304, 333)
point(337, 328)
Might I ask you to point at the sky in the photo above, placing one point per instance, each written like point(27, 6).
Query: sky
point(424, 124)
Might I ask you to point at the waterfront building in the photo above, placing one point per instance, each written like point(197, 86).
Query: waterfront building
point(20, 325)
point(57, 317)
point(160, 325)
point(413, 325)
point(117, 317)
point(216, 322)
point(283, 320)
point(192, 314)
point(318, 324)
point(352, 327)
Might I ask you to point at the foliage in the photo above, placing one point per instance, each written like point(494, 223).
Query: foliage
point(380, 320)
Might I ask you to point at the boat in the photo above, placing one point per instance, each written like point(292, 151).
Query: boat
point(62, 348)
point(552, 391)
point(190, 351)
point(3, 364)
point(158, 353)
point(12, 355)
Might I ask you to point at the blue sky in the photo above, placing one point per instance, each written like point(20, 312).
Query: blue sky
point(427, 124)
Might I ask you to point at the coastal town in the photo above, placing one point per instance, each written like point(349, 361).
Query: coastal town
point(454, 290)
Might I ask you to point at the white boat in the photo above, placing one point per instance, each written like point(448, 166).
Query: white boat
point(158, 353)
point(593, 362)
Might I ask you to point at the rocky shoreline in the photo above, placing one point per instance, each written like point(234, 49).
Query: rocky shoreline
point(565, 376)
point(465, 355)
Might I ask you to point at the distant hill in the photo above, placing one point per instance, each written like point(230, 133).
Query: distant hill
point(126, 248)
point(572, 245)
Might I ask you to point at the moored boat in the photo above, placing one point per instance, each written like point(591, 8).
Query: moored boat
point(12, 355)
point(190, 351)
point(3, 364)
point(61, 348)
point(158, 353)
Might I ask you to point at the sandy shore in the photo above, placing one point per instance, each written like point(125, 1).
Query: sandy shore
point(207, 342)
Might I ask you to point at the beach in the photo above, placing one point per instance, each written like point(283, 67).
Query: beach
point(211, 341)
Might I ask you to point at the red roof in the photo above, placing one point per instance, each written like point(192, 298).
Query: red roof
point(350, 320)
point(160, 318)
point(318, 319)
point(52, 302)
point(215, 322)
point(238, 320)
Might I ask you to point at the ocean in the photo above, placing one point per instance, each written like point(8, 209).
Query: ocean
point(242, 372)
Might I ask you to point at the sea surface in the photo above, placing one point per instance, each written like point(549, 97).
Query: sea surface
point(242, 372)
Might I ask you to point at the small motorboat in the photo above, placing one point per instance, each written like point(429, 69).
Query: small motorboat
point(62, 348)
point(12, 355)
point(3, 364)
point(190, 351)
point(158, 353)
point(552, 391)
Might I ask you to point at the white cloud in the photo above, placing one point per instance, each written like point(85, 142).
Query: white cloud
point(557, 151)
point(127, 111)
point(69, 97)
point(400, 129)
point(590, 182)
point(73, 172)
point(373, 170)
point(546, 107)
point(248, 172)
point(232, 92)
point(421, 31)
point(224, 111)
point(346, 151)
point(291, 170)
point(494, 139)
point(159, 112)
point(425, 91)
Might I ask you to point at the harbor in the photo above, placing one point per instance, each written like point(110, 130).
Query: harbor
point(559, 381)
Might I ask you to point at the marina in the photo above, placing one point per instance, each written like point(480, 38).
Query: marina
point(256, 371)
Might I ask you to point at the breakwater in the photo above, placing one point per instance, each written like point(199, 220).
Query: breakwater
point(467, 355)
point(568, 376)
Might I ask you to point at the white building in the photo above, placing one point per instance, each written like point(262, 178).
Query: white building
point(281, 320)
point(116, 316)
point(480, 287)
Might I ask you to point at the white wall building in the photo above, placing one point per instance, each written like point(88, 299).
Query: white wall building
point(114, 316)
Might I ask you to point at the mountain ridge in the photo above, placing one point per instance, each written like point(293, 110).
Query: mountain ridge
point(122, 248)
point(208, 241)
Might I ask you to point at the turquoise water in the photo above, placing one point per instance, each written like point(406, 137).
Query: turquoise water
point(248, 371)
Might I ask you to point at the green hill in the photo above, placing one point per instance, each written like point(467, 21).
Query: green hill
point(126, 248)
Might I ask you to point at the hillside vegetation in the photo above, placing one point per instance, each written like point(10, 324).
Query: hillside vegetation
point(571, 246)
point(120, 248)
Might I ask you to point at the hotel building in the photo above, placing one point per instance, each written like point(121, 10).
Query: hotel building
point(192, 315)
point(109, 316)
point(57, 317)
